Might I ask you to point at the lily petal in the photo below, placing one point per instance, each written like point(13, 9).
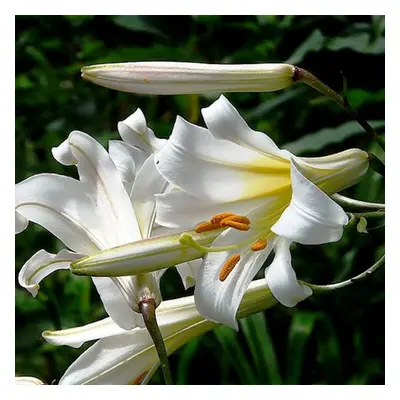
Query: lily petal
point(75, 337)
point(282, 279)
point(135, 132)
point(128, 160)
point(41, 265)
point(21, 223)
point(178, 209)
point(219, 301)
point(116, 305)
point(59, 204)
point(224, 122)
point(228, 172)
point(27, 380)
point(103, 186)
point(189, 272)
point(148, 182)
point(312, 216)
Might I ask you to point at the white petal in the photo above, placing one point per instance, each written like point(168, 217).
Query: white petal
point(134, 131)
point(124, 359)
point(116, 305)
point(113, 360)
point(147, 184)
point(217, 170)
point(103, 186)
point(21, 223)
point(178, 209)
point(282, 279)
point(312, 216)
point(75, 337)
point(58, 203)
point(42, 264)
point(136, 288)
point(27, 380)
point(335, 172)
point(219, 301)
point(189, 272)
point(224, 122)
point(63, 154)
point(128, 160)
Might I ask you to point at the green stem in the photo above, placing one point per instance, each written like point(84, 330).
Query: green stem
point(302, 75)
point(371, 214)
point(348, 202)
point(148, 309)
point(334, 286)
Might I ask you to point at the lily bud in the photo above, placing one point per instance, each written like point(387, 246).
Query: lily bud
point(186, 77)
point(143, 256)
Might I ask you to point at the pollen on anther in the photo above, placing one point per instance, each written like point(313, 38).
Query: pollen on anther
point(261, 244)
point(237, 218)
point(216, 219)
point(227, 268)
point(206, 226)
point(236, 225)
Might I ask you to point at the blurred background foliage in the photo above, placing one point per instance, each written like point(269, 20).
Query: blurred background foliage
point(337, 338)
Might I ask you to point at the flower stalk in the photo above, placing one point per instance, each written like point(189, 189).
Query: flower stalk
point(148, 310)
point(317, 289)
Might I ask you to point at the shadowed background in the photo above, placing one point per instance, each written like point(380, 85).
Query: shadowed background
point(336, 338)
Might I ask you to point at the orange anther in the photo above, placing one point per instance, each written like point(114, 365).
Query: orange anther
point(236, 225)
point(216, 219)
point(237, 218)
point(227, 268)
point(206, 226)
point(261, 244)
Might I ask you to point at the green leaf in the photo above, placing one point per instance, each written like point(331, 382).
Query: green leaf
point(261, 347)
point(138, 23)
point(318, 140)
point(362, 225)
point(329, 350)
point(299, 332)
point(359, 97)
point(186, 356)
point(314, 42)
point(232, 349)
point(274, 102)
point(360, 42)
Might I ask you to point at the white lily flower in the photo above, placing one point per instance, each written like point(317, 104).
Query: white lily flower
point(276, 198)
point(121, 357)
point(27, 380)
point(111, 204)
point(255, 196)
point(185, 77)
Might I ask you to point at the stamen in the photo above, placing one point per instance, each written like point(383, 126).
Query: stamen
point(207, 226)
point(261, 244)
point(236, 225)
point(216, 219)
point(237, 218)
point(227, 268)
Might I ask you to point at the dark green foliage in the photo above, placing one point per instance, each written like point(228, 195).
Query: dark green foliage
point(336, 338)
